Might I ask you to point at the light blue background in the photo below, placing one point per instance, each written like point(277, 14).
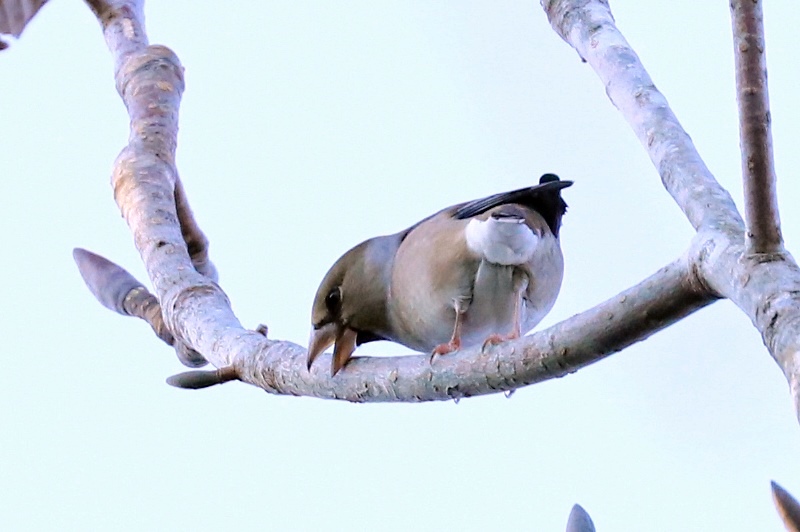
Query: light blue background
point(307, 127)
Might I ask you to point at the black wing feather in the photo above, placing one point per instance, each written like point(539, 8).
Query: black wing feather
point(544, 198)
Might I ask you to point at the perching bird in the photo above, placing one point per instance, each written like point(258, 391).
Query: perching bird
point(484, 271)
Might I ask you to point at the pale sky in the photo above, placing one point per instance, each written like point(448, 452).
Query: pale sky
point(307, 127)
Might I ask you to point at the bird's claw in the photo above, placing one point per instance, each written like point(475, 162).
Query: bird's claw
point(495, 339)
point(443, 349)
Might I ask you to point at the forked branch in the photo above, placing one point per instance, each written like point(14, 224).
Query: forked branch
point(765, 287)
point(197, 312)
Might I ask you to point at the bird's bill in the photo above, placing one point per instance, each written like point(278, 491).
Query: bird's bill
point(320, 340)
point(343, 340)
point(343, 349)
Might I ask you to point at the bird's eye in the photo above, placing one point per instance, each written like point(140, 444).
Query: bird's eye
point(333, 299)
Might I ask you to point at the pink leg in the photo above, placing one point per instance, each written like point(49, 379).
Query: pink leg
point(515, 333)
point(454, 344)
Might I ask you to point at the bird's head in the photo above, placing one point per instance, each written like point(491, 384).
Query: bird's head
point(348, 308)
point(328, 322)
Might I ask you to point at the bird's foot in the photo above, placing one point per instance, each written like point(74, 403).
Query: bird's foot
point(495, 339)
point(443, 349)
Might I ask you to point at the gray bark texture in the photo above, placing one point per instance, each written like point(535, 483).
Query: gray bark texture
point(717, 264)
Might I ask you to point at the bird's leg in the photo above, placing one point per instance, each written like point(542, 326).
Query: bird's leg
point(460, 304)
point(516, 330)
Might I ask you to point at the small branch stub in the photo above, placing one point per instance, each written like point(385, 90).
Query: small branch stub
point(195, 380)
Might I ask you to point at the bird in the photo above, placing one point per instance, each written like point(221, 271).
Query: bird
point(484, 271)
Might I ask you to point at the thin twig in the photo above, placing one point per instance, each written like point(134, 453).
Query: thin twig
point(118, 290)
point(755, 134)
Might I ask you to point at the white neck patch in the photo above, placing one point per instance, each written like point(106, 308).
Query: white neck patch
point(505, 241)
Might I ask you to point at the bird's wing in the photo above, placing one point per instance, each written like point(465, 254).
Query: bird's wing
point(545, 198)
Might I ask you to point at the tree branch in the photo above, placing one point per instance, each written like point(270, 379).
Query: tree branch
point(660, 300)
point(196, 241)
point(667, 296)
point(197, 312)
point(765, 287)
point(758, 169)
point(588, 26)
point(147, 187)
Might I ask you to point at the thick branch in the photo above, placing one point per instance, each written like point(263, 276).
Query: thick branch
point(660, 300)
point(123, 26)
point(766, 288)
point(657, 302)
point(758, 169)
point(588, 26)
point(147, 188)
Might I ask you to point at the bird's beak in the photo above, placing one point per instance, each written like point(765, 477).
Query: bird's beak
point(320, 340)
point(344, 343)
